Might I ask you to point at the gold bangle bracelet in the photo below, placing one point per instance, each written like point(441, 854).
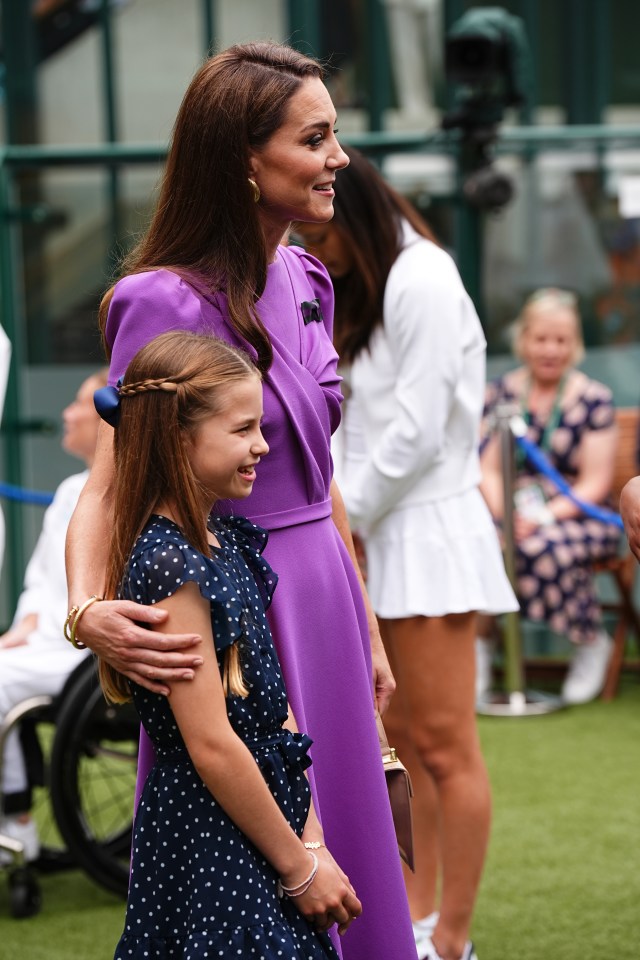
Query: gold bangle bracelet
point(313, 844)
point(76, 620)
point(67, 624)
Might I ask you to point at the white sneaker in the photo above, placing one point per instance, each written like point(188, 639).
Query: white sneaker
point(588, 670)
point(432, 954)
point(422, 930)
point(25, 832)
point(484, 664)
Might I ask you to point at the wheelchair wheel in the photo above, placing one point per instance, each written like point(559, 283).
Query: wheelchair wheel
point(93, 773)
point(25, 898)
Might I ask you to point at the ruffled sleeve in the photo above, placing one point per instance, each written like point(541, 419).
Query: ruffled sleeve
point(251, 541)
point(161, 567)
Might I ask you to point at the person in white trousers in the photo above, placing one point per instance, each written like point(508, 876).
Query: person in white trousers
point(35, 658)
point(5, 360)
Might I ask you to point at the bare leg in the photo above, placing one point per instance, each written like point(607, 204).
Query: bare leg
point(486, 625)
point(434, 664)
point(421, 885)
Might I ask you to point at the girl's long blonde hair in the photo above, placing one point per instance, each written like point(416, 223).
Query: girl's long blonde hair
point(172, 384)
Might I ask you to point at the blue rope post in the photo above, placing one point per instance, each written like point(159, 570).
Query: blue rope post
point(538, 459)
point(515, 700)
point(513, 670)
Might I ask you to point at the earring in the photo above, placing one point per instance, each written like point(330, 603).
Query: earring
point(256, 190)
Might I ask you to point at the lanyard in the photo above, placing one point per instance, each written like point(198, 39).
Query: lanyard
point(554, 417)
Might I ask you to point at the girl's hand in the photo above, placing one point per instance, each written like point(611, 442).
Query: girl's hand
point(330, 898)
point(148, 658)
point(630, 510)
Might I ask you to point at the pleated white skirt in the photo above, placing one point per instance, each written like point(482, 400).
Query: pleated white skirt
point(436, 558)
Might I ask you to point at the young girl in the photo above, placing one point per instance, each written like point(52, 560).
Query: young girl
point(226, 843)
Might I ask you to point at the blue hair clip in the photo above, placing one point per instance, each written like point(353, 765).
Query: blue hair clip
point(107, 403)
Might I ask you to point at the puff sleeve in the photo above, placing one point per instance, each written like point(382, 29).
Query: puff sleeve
point(318, 353)
point(143, 306)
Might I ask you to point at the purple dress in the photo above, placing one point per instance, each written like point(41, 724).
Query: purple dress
point(317, 617)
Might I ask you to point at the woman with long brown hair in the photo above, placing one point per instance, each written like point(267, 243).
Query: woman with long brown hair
point(415, 349)
point(254, 148)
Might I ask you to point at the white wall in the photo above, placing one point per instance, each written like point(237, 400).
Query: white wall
point(158, 46)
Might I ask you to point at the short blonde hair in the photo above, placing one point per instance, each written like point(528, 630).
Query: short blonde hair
point(549, 299)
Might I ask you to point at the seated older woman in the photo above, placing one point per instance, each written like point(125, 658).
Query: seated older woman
point(571, 417)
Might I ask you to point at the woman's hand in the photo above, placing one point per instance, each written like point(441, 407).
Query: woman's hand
point(523, 527)
point(111, 628)
point(323, 853)
point(148, 658)
point(630, 510)
point(330, 898)
point(384, 684)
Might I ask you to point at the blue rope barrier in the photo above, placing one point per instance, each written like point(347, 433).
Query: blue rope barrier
point(538, 459)
point(39, 497)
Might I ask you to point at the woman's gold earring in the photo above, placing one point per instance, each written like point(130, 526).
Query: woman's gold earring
point(256, 190)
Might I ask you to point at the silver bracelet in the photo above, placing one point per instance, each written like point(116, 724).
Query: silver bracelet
point(301, 887)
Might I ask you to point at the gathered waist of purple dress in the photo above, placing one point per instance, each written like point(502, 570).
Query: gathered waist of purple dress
point(306, 513)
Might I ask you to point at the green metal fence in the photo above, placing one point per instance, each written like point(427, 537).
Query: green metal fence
point(526, 142)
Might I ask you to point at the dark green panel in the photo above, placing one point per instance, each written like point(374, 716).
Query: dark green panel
point(304, 26)
point(625, 74)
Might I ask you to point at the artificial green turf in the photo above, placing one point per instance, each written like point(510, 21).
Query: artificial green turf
point(562, 877)
point(78, 921)
point(561, 880)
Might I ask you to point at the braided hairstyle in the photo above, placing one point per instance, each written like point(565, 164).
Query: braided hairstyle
point(172, 384)
point(148, 386)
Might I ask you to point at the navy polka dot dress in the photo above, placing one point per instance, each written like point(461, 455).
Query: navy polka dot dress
point(199, 888)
